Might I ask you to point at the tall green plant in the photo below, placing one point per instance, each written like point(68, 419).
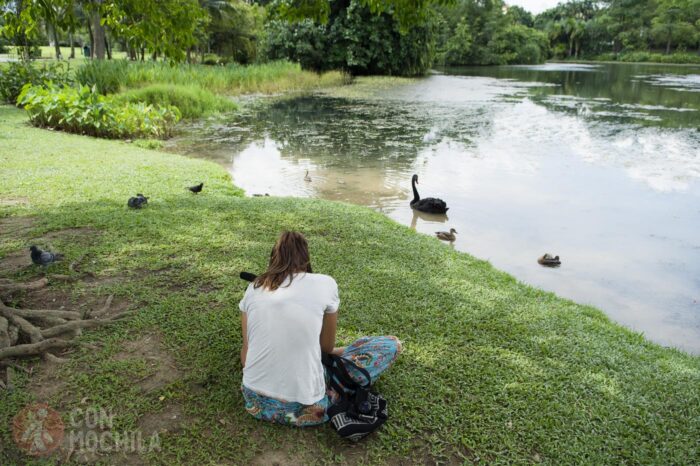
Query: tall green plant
point(83, 110)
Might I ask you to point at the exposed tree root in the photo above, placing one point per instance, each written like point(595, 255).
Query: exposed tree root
point(41, 332)
point(35, 349)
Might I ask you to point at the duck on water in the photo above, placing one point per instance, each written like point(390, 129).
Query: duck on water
point(428, 204)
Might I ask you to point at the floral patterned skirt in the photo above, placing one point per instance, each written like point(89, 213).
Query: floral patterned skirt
point(375, 354)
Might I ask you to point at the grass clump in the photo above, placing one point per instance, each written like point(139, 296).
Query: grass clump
point(111, 76)
point(152, 144)
point(492, 371)
point(107, 76)
point(83, 110)
point(191, 100)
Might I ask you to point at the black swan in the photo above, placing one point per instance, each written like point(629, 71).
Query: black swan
point(429, 204)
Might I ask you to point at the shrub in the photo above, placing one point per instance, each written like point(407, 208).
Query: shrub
point(192, 100)
point(83, 110)
point(15, 75)
point(107, 76)
point(210, 59)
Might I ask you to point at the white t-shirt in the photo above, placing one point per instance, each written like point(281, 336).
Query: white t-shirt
point(284, 327)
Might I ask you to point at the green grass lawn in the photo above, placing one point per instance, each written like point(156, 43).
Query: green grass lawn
point(493, 371)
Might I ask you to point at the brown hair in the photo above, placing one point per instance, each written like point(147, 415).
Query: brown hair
point(289, 256)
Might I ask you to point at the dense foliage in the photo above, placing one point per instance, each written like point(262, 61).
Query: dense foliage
point(83, 110)
point(353, 39)
point(488, 33)
point(584, 28)
point(14, 76)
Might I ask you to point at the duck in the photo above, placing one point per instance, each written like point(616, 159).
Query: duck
point(428, 204)
point(447, 235)
point(548, 261)
point(307, 178)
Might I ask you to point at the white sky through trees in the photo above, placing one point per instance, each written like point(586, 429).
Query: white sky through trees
point(535, 6)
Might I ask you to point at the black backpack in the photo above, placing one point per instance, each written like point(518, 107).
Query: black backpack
point(358, 412)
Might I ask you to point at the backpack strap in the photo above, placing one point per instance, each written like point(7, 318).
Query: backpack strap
point(338, 367)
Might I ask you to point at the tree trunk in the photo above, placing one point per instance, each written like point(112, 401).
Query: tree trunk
point(72, 46)
point(92, 38)
point(108, 48)
point(98, 34)
point(668, 46)
point(57, 47)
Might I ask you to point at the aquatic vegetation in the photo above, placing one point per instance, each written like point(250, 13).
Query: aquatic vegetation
point(115, 75)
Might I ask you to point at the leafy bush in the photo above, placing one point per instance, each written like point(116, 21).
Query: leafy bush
point(192, 100)
point(107, 76)
point(354, 39)
point(83, 110)
point(517, 44)
point(14, 76)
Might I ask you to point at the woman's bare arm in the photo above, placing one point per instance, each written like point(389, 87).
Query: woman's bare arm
point(244, 331)
point(330, 322)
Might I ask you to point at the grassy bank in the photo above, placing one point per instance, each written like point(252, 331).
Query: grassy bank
point(493, 371)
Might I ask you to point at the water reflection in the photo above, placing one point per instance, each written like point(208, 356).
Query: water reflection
point(598, 164)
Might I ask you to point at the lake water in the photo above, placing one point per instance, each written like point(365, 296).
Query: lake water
point(599, 164)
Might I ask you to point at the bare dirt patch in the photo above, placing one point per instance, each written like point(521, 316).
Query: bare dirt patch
point(13, 201)
point(70, 233)
point(15, 262)
point(150, 348)
point(16, 226)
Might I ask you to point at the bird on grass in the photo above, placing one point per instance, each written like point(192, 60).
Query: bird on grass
point(430, 205)
point(137, 202)
point(447, 236)
point(307, 177)
point(548, 261)
point(196, 188)
point(44, 258)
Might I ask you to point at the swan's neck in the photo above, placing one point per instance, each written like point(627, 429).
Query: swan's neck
point(416, 197)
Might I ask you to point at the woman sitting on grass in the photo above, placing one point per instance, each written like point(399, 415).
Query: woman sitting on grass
point(289, 316)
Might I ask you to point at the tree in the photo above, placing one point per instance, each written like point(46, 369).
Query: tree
point(164, 27)
point(459, 45)
point(354, 39)
point(669, 26)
